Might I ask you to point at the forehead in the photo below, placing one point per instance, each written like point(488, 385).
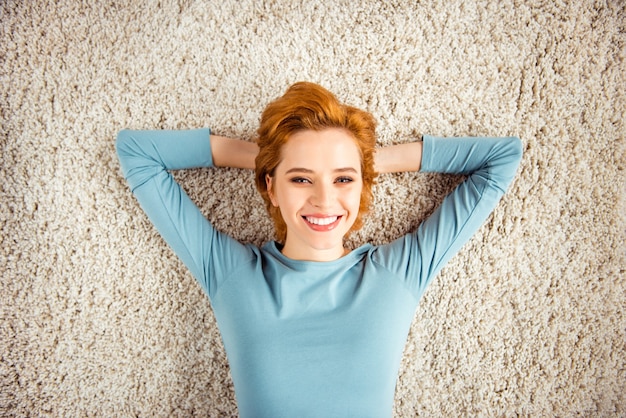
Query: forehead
point(332, 147)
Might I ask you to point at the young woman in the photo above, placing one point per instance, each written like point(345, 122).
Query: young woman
point(312, 329)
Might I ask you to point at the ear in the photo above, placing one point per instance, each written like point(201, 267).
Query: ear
point(270, 189)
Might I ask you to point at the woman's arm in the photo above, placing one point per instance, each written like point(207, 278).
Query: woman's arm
point(397, 158)
point(490, 165)
point(233, 153)
point(146, 158)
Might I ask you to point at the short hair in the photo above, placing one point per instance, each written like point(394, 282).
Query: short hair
point(308, 106)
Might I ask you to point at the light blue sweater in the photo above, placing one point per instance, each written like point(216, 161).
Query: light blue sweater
point(314, 339)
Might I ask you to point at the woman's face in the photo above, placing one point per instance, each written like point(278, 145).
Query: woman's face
point(317, 186)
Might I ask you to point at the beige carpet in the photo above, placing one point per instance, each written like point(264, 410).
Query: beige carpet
point(98, 318)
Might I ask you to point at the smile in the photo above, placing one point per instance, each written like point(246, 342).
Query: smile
point(322, 224)
point(321, 221)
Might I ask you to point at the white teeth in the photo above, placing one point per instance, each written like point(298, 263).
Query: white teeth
point(322, 221)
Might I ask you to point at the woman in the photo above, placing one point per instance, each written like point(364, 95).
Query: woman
point(310, 327)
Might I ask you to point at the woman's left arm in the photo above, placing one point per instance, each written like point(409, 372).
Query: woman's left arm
point(398, 158)
point(490, 165)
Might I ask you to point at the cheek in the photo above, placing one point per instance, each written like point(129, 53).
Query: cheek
point(354, 198)
point(287, 199)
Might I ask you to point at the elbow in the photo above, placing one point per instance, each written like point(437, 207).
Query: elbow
point(512, 156)
point(506, 162)
point(517, 149)
point(122, 142)
point(511, 153)
point(133, 152)
point(127, 152)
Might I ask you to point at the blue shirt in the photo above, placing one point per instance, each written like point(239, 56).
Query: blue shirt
point(315, 339)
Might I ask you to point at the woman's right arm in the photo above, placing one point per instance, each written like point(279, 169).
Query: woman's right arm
point(146, 158)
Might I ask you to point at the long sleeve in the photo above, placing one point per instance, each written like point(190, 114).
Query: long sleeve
point(146, 157)
point(490, 165)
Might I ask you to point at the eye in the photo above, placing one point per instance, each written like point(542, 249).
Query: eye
point(300, 180)
point(344, 180)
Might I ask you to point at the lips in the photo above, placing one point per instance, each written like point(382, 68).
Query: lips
point(324, 223)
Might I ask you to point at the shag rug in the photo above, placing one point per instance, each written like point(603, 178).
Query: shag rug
point(99, 318)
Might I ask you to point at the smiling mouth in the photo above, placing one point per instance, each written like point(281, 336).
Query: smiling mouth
point(321, 221)
point(322, 224)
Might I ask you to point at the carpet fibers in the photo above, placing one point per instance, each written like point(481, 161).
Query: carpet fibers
point(99, 318)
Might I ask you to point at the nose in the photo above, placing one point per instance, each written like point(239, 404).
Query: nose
point(322, 195)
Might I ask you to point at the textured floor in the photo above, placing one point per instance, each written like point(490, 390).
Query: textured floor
point(98, 318)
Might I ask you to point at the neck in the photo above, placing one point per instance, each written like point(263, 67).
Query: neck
point(331, 254)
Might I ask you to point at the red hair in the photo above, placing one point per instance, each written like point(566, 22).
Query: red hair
point(308, 106)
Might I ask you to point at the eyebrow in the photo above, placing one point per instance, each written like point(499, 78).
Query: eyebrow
point(337, 170)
